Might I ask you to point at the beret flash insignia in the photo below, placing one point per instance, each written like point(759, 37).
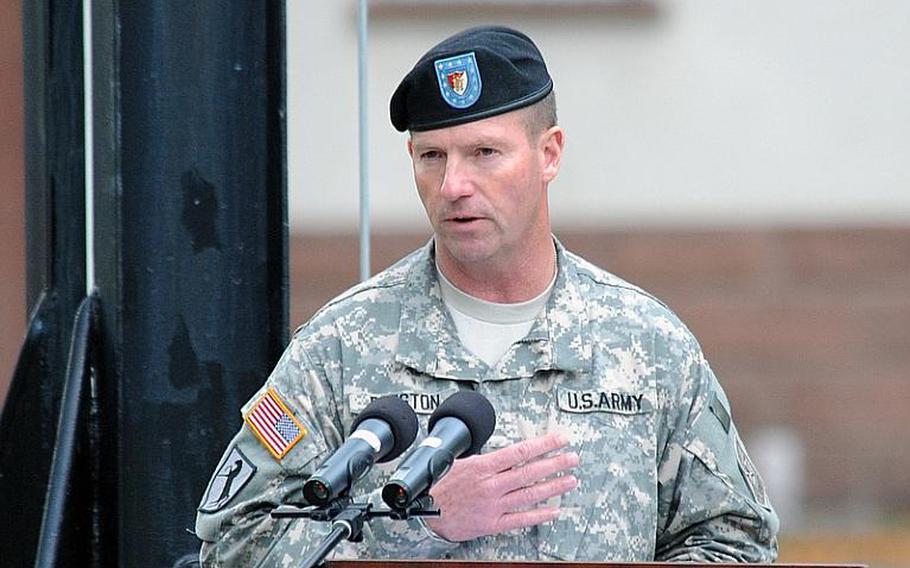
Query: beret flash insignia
point(459, 79)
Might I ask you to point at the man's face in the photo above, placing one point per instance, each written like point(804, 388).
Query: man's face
point(484, 187)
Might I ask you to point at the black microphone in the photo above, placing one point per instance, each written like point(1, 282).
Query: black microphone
point(382, 432)
point(459, 427)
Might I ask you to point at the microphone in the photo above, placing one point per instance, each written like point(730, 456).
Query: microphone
point(382, 432)
point(459, 427)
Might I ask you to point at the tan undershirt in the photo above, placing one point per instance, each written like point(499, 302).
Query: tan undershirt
point(488, 329)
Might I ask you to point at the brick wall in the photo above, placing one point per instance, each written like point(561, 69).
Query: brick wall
point(12, 199)
point(807, 329)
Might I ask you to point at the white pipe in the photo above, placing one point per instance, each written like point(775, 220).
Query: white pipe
point(88, 142)
point(364, 163)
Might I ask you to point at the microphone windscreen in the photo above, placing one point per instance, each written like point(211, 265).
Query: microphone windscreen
point(401, 420)
point(474, 410)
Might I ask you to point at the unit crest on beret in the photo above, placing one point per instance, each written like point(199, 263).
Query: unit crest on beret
point(474, 74)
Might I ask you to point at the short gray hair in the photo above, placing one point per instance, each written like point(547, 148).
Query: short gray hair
point(541, 115)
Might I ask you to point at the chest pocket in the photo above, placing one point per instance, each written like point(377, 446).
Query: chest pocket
point(611, 515)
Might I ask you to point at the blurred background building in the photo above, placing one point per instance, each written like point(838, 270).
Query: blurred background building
point(745, 162)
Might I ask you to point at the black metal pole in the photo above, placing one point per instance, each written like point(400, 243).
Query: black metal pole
point(66, 531)
point(190, 248)
point(340, 531)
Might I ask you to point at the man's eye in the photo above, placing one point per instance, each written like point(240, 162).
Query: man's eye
point(486, 152)
point(430, 155)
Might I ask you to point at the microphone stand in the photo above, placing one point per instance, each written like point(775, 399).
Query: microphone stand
point(347, 520)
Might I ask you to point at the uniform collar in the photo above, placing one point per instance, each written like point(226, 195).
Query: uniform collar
point(428, 342)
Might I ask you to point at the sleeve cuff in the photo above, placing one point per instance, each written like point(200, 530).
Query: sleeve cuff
point(431, 534)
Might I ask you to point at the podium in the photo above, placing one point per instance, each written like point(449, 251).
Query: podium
point(544, 564)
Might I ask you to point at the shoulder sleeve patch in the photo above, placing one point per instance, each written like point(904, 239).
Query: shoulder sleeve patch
point(229, 479)
point(750, 474)
point(274, 424)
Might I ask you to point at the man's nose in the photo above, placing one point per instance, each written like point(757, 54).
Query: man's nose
point(456, 181)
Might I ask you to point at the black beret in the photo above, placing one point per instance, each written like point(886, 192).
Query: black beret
point(474, 74)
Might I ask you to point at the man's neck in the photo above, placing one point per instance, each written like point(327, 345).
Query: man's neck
point(516, 280)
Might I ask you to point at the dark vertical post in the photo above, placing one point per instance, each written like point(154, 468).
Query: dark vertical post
point(55, 159)
point(52, 35)
point(190, 247)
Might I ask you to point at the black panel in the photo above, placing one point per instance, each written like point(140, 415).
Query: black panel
point(191, 246)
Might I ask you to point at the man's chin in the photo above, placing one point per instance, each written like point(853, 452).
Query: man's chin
point(466, 251)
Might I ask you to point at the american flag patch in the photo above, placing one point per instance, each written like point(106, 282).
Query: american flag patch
point(274, 425)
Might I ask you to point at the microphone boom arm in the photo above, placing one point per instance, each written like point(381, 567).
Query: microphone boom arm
point(347, 520)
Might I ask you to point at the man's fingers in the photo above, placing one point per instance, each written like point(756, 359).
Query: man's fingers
point(531, 473)
point(510, 456)
point(533, 494)
point(512, 521)
point(503, 490)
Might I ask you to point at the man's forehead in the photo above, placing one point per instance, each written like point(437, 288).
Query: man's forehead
point(501, 128)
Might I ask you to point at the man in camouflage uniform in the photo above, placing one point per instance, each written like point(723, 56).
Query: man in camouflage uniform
point(614, 440)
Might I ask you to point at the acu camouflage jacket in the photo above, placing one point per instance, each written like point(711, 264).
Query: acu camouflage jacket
point(663, 471)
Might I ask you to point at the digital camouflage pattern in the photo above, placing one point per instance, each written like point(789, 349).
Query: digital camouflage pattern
point(663, 474)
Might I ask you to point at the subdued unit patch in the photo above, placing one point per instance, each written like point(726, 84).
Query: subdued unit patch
point(233, 473)
point(751, 475)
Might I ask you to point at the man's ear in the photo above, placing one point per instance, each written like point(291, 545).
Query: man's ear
point(552, 143)
point(410, 148)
